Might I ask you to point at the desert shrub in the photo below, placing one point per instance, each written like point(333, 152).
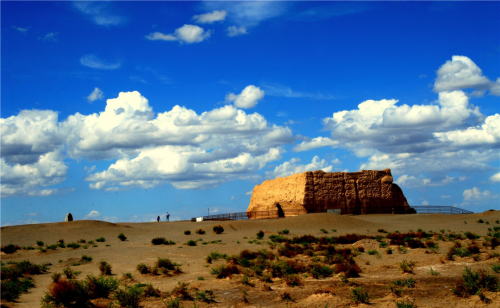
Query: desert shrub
point(39, 243)
point(474, 282)
point(150, 291)
point(471, 236)
point(127, 276)
point(187, 232)
point(407, 266)
point(409, 283)
point(142, 268)
point(319, 270)
point(323, 230)
point(100, 286)
point(276, 238)
point(224, 271)
point(349, 269)
point(101, 239)
point(480, 221)
point(215, 255)
point(56, 277)
point(130, 297)
point(218, 229)
point(359, 295)
point(260, 234)
point(122, 237)
point(86, 258)
point(285, 231)
point(293, 280)
point(433, 272)
point(191, 243)
point(70, 274)
point(104, 268)
point(361, 249)
point(383, 244)
point(12, 289)
point(181, 291)
point(73, 245)
point(158, 241)
point(372, 252)
point(200, 231)
point(496, 268)
point(165, 263)
point(11, 248)
point(349, 238)
point(389, 251)
point(404, 303)
point(81, 241)
point(207, 296)
point(66, 293)
point(246, 280)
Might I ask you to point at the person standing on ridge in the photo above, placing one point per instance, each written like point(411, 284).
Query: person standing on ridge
point(158, 219)
point(168, 216)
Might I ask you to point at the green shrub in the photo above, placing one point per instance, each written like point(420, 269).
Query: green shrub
point(383, 244)
point(475, 282)
point(201, 278)
point(207, 296)
point(127, 276)
point(73, 245)
point(11, 248)
point(86, 258)
point(122, 237)
point(480, 221)
point(56, 277)
point(142, 268)
point(359, 295)
point(496, 268)
point(320, 271)
point(372, 252)
point(70, 274)
point(200, 231)
point(285, 231)
point(260, 234)
point(66, 293)
point(191, 243)
point(158, 241)
point(409, 283)
point(104, 268)
point(100, 286)
point(323, 230)
point(293, 280)
point(187, 232)
point(39, 243)
point(181, 291)
point(130, 297)
point(407, 266)
point(404, 303)
point(12, 289)
point(218, 229)
point(150, 291)
point(81, 241)
point(101, 239)
point(433, 272)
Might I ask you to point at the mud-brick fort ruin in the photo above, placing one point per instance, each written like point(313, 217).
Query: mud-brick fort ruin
point(363, 192)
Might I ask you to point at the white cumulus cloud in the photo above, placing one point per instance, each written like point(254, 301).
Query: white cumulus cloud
point(95, 95)
point(248, 98)
point(99, 12)
point(495, 177)
point(475, 194)
point(210, 18)
point(462, 73)
point(236, 31)
point(186, 34)
point(315, 143)
point(93, 61)
point(293, 166)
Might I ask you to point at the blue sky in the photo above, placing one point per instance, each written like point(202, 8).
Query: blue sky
point(122, 111)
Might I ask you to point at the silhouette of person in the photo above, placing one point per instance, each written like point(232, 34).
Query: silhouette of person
point(158, 219)
point(168, 216)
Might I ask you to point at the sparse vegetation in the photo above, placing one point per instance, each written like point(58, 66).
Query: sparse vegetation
point(475, 282)
point(11, 248)
point(218, 229)
point(129, 297)
point(104, 268)
point(122, 237)
point(200, 231)
point(191, 243)
point(260, 234)
point(101, 239)
point(407, 266)
point(359, 295)
point(187, 232)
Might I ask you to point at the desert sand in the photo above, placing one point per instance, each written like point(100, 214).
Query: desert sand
point(377, 273)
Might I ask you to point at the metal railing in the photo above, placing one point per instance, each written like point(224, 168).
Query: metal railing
point(438, 209)
point(274, 214)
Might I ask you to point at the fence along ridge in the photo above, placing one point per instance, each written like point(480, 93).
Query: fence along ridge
point(272, 214)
